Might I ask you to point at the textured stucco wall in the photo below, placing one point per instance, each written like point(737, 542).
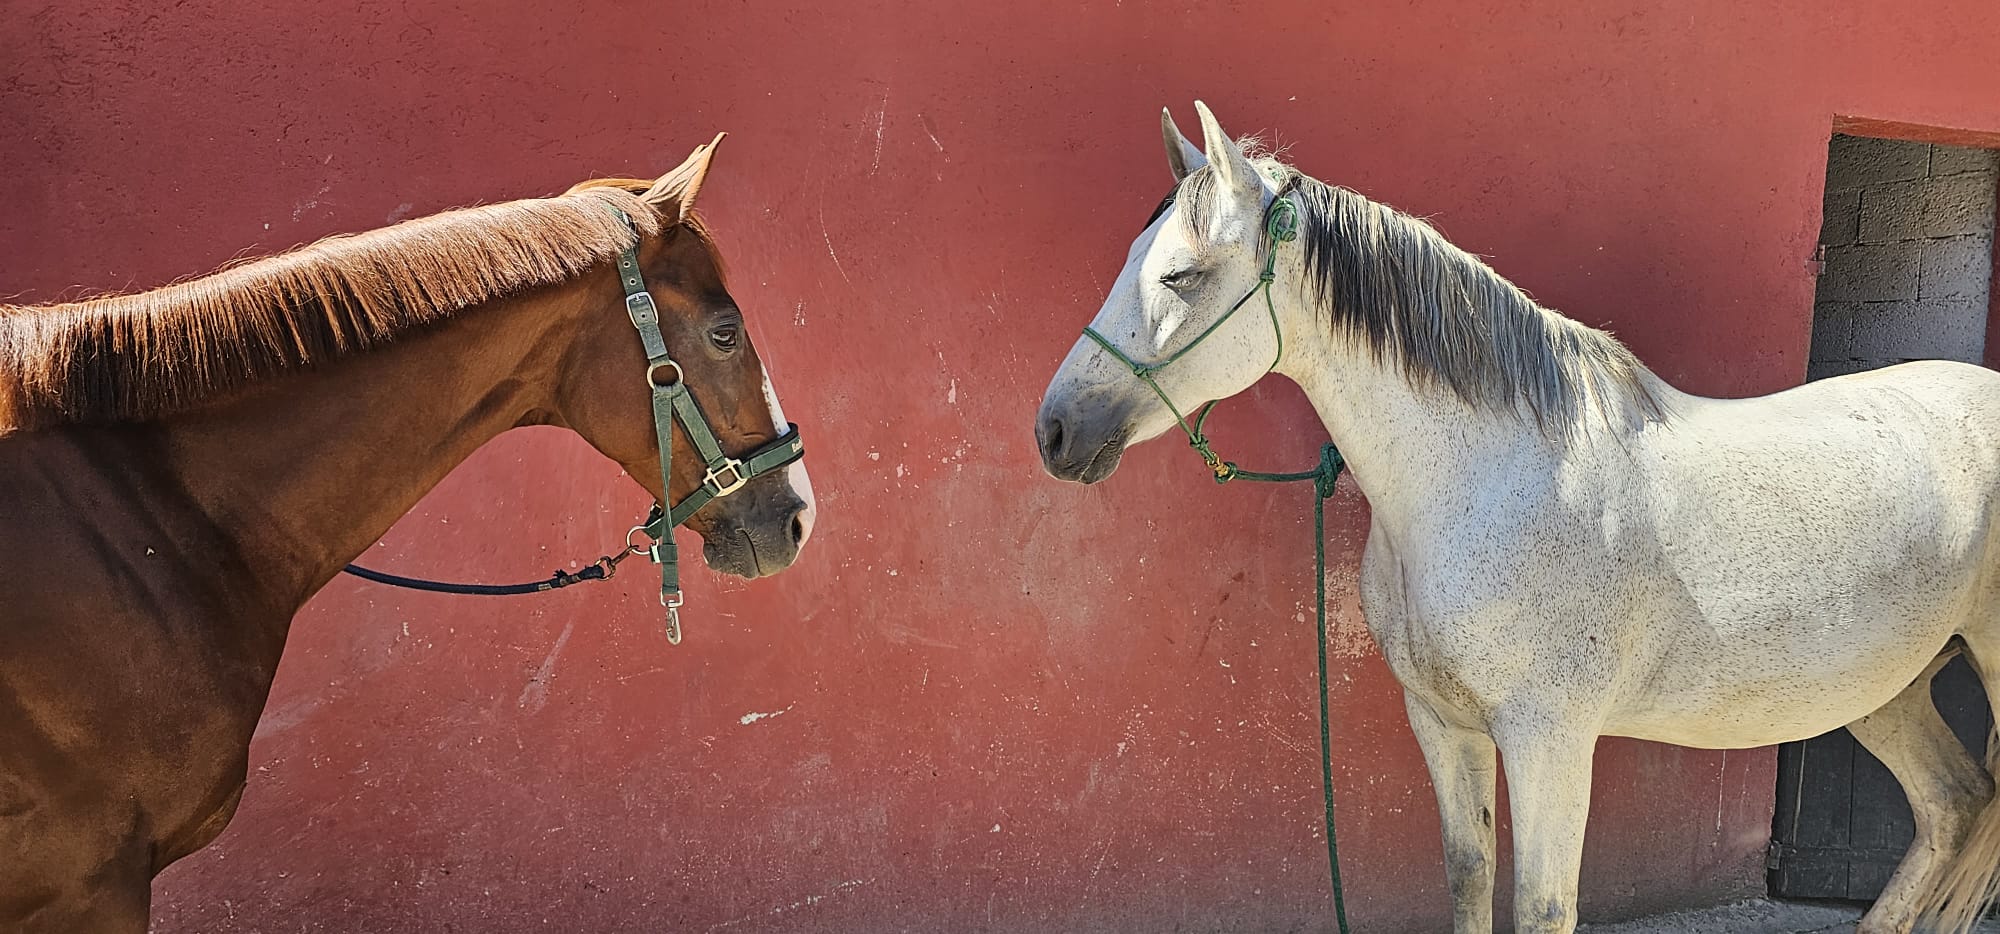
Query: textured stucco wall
point(1000, 703)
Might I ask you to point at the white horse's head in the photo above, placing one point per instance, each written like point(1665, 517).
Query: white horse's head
point(1181, 297)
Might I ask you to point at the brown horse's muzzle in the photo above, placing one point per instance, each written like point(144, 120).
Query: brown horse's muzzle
point(755, 532)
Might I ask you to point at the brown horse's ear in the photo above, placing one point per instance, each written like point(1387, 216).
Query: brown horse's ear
point(677, 189)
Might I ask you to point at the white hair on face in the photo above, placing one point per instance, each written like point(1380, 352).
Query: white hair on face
point(795, 472)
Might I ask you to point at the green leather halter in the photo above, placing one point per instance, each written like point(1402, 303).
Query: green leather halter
point(672, 400)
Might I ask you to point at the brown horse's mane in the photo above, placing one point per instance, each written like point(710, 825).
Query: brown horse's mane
point(135, 357)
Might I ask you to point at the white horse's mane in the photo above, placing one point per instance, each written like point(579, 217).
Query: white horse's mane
point(1443, 316)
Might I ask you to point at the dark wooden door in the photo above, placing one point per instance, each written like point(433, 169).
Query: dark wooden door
point(1842, 822)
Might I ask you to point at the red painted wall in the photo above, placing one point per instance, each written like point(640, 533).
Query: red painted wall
point(992, 702)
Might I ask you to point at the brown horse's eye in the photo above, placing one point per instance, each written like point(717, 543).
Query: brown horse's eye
point(724, 339)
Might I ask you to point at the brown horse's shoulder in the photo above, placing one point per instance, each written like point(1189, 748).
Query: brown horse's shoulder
point(129, 685)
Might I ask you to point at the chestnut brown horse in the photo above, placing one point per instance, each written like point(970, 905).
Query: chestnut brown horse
point(182, 469)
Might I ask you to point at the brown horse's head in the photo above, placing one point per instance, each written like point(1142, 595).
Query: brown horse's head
point(603, 393)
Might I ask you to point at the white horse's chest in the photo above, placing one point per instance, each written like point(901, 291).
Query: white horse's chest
point(1471, 644)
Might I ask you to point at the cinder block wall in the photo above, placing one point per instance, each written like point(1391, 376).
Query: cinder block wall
point(1908, 240)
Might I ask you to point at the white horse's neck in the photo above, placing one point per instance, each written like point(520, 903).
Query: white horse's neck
point(1413, 452)
point(1420, 454)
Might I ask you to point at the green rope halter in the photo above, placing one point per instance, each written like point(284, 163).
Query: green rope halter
point(1281, 225)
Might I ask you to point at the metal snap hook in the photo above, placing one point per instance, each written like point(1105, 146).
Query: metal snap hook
point(672, 601)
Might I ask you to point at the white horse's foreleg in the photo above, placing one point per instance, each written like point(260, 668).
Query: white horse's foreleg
point(1944, 785)
point(1462, 771)
point(1548, 788)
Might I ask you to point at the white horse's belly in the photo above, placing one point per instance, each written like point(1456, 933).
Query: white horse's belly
point(1696, 699)
point(1763, 645)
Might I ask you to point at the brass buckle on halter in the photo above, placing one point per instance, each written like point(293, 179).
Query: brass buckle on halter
point(729, 466)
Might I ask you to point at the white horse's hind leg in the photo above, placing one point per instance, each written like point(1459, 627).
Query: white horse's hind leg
point(1462, 771)
point(1548, 788)
point(1945, 787)
point(1971, 881)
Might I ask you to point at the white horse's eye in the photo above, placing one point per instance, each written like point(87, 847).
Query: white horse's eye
point(1181, 280)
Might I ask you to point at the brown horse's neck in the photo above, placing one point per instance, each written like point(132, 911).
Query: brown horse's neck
point(305, 473)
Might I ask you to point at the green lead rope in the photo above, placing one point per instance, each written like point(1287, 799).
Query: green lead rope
point(1281, 225)
point(1322, 477)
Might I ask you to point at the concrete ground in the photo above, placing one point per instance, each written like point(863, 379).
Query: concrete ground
point(1753, 917)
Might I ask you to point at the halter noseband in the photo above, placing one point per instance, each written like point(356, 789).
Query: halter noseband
point(672, 400)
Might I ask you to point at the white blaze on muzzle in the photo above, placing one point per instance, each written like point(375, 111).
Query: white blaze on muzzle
point(795, 473)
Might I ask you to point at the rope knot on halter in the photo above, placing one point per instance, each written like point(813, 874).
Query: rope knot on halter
point(1330, 465)
point(1283, 227)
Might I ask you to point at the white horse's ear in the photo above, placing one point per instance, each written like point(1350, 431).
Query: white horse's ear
point(1230, 164)
point(1183, 156)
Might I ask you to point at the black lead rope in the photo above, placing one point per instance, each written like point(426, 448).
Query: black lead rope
point(556, 581)
point(599, 570)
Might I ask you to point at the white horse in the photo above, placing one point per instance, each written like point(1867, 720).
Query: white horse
point(1564, 546)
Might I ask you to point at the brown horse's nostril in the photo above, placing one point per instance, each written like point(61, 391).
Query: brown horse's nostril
point(798, 527)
